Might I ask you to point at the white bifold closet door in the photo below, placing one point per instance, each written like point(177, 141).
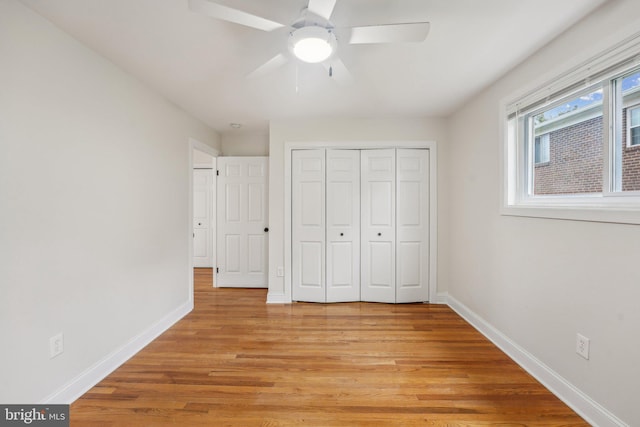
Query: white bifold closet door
point(308, 225)
point(412, 225)
point(378, 198)
point(326, 225)
point(343, 225)
point(395, 225)
point(360, 225)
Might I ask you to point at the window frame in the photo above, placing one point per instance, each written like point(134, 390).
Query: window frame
point(538, 140)
point(629, 127)
point(516, 154)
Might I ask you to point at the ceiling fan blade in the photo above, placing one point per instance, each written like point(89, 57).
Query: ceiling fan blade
point(338, 71)
point(391, 33)
point(225, 13)
point(276, 62)
point(323, 8)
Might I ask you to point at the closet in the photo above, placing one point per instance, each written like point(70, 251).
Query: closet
point(360, 225)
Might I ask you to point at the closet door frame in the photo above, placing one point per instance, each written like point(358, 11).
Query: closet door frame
point(285, 296)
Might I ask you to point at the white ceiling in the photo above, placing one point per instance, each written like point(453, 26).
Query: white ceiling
point(200, 63)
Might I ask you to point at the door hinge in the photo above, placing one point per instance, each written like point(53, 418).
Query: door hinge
point(217, 172)
point(217, 270)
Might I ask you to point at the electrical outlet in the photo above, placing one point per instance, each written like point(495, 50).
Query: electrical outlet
point(582, 346)
point(280, 272)
point(56, 345)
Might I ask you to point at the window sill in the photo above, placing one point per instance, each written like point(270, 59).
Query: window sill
point(593, 212)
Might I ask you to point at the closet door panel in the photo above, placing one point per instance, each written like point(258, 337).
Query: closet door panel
point(308, 225)
point(412, 229)
point(311, 265)
point(343, 225)
point(378, 247)
point(380, 265)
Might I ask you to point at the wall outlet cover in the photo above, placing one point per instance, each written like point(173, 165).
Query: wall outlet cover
point(56, 345)
point(582, 346)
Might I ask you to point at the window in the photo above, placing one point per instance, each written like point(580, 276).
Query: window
point(626, 160)
point(575, 125)
point(542, 149)
point(633, 120)
point(572, 146)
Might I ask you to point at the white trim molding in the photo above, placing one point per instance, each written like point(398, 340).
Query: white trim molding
point(586, 407)
point(78, 386)
point(441, 298)
point(278, 298)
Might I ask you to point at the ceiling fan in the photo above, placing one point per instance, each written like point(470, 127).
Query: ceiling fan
point(312, 37)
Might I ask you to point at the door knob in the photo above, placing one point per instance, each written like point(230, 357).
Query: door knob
point(199, 223)
point(342, 234)
point(266, 229)
point(379, 234)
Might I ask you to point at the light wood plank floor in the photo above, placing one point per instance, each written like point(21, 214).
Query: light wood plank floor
point(235, 361)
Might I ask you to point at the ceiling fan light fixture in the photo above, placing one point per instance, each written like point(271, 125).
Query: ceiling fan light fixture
point(312, 50)
point(312, 44)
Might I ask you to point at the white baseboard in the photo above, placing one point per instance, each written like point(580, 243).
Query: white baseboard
point(440, 298)
point(277, 298)
point(75, 388)
point(586, 407)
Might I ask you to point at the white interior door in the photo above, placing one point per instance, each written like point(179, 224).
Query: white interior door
point(308, 225)
point(242, 222)
point(412, 225)
point(378, 251)
point(343, 225)
point(203, 217)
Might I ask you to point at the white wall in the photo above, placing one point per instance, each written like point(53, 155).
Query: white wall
point(245, 143)
point(94, 180)
point(333, 130)
point(541, 281)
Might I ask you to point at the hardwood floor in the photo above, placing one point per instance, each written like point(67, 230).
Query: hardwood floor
point(235, 361)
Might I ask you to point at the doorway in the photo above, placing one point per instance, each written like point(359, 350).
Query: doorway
point(202, 209)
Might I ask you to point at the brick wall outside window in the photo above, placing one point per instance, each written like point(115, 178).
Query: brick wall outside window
point(575, 161)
